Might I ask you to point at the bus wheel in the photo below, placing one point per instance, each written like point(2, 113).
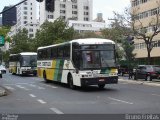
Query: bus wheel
point(70, 82)
point(44, 77)
point(101, 86)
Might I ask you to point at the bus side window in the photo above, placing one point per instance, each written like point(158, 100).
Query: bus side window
point(60, 52)
point(48, 53)
point(54, 53)
point(66, 51)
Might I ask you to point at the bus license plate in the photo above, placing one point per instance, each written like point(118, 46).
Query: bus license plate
point(101, 80)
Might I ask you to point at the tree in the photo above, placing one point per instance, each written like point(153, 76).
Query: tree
point(139, 28)
point(3, 32)
point(20, 42)
point(53, 33)
point(128, 53)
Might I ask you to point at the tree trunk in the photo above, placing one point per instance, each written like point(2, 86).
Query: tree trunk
point(149, 56)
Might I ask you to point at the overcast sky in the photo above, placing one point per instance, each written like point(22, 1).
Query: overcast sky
point(99, 6)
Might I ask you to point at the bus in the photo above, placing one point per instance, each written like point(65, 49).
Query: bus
point(80, 62)
point(23, 63)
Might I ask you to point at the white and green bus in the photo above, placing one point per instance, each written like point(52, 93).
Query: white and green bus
point(80, 62)
point(23, 63)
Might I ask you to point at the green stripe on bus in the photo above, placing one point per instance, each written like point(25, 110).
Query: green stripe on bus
point(56, 70)
point(60, 70)
point(105, 71)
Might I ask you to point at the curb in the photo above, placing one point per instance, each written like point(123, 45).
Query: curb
point(140, 82)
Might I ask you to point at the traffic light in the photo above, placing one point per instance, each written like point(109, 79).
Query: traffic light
point(50, 5)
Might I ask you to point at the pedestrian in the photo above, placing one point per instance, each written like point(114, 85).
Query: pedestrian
point(130, 73)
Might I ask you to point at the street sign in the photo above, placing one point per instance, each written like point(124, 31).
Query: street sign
point(1, 41)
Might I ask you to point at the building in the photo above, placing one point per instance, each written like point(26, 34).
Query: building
point(79, 10)
point(27, 18)
point(146, 11)
point(86, 26)
point(9, 18)
point(99, 18)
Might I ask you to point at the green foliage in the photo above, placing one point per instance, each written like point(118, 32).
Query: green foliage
point(4, 31)
point(128, 54)
point(21, 42)
point(53, 33)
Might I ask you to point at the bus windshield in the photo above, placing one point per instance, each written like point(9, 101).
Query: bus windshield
point(29, 60)
point(98, 56)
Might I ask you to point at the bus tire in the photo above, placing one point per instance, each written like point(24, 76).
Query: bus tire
point(45, 77)
point(101, 86)
point(70, 82)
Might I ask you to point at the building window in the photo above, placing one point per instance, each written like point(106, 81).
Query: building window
point(86, 13)
point(86, 19)
point(62, 5)
point(25, 22)
point(25, 17)
point(30, 30)
point(62, 11)
point(74, 12)
point(86, 7)
point(25, 8)
point(25, 3)
point(74, 6)
point(31, 35)
point(63, 17)
point(31, 13)
point(25, 12)
point(31, 18)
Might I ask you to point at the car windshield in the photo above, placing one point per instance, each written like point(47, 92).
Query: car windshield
point(29, 60)
point(98, 56)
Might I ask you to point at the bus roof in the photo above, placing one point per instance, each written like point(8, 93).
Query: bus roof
point(84, 41)
point(25, 53)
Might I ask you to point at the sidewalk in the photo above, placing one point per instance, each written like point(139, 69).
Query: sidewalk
point(2, 92)
point(142, 82)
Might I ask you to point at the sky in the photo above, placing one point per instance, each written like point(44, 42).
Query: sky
point(99, 6)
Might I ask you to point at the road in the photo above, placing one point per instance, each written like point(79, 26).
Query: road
point(31, 95)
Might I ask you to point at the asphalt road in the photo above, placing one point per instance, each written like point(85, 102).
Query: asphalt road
point(31, 95)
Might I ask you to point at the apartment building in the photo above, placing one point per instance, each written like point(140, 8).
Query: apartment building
point(27, 17)
point(146, 11)
point(9, 18)
point(79, 10)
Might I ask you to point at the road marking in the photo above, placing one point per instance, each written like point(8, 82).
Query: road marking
point(32, 95)
point(19, 86)
point(41, 101)
point(156, 95)
point(19, 83)
point(56, 111)
point(41, 88)
point(50, 86)
point(10, 88)
point(120, 100)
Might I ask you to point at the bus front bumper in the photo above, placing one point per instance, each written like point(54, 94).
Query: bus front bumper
point(97, 81)
point(29, 72)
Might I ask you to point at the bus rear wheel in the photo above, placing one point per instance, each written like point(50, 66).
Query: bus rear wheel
point(70, 82)
point(101, 86)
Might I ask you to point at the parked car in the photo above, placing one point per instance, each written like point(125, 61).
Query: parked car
point(147, 72)
point(2, 69)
